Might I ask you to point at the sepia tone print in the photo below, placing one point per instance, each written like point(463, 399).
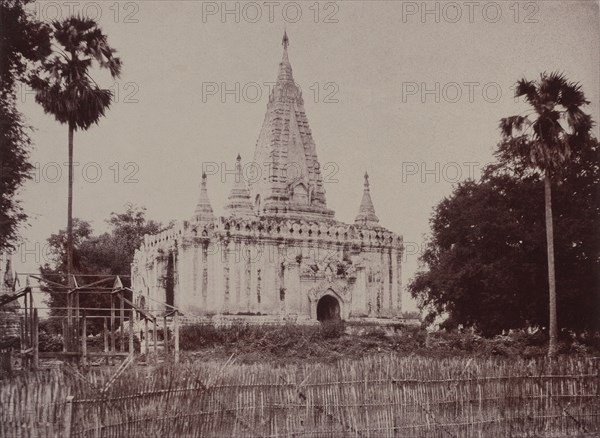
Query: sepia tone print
point(397, 237)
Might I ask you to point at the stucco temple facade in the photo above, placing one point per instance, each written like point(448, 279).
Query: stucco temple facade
point(278, 252)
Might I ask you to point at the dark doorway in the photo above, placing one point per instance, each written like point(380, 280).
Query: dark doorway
point(328, 309)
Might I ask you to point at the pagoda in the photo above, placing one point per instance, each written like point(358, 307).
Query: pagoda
point(277, 254)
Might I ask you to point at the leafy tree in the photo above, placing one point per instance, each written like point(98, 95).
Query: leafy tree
point(486, 264)
point(24, 41)
point(66, 90)
point(544, 140)
point(109, 253)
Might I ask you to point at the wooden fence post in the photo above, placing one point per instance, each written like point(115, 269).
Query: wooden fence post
point(155, 339)
point(176, 335)
point(67, 339)
point(122, 320)
point(146, 351)
point(77, 334)
point(65, 330)
point(26, 322)
point(22, 334)
point(113, 311)
point(105, 336)
point(36, 340)
point(131, 350)
point(31, 321)
point(84, 339)
point(68, 421)
point(166, 336)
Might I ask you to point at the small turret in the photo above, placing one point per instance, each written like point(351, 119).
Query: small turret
point(204, 211)
point(366, 213)
point(239, 204)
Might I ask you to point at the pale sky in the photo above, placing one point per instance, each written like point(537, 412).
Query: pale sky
point(378, 67)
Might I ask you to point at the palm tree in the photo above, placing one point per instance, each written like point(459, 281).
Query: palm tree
point(66, 90)
point(543, 139)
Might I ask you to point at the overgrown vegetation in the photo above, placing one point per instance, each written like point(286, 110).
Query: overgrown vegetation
point(51, 339)
point(485, 265)
point(109, 253)
point(24, 42)
point(334, 341)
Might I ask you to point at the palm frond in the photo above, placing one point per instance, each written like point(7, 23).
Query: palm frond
point(68, 91)
point(557, 124)
point(512, 124)
point(572, 96)
point(528, 89)
point(550, 86)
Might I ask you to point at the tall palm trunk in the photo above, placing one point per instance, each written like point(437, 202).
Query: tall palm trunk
point(70, 208)
point(552, 346)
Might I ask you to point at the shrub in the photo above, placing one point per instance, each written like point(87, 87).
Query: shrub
point(49, 342)
point(332, 329)
point(196, 336)
point(11, 342)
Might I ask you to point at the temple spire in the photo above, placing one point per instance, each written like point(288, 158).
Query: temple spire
point(293, 185)
point(285, 42)
point(366, 213)
point(285, 69)
point(239, 204)
point(204, 211)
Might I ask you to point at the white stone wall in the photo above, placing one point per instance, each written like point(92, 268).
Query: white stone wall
point(273, 267)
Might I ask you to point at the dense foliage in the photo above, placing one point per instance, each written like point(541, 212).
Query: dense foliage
point(486, 263)
point(24, 41)
point(110, 253)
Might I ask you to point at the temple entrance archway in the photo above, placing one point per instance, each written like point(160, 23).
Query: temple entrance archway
point(328, 309)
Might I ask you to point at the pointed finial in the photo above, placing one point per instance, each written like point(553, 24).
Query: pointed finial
point(203, 211)
point(239, 157)
point(286, 41)
point(366, 213)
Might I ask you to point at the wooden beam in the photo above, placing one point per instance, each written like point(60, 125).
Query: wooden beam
point(165, 335)
point(155, 339)
point(65, 330)
point(176, 335)
point(36, 340)
point(68, 418)
point(26, 321)
point(84, 339)
point(131, 334)
point(112, 324)
point(67, 340)
point(122, 321)
point(105, 336)
point(77, 320)
point(139, 310)
point(146, 351)
point(58, 354)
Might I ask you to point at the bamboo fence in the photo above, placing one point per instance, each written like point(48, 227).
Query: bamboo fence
point(381, 396)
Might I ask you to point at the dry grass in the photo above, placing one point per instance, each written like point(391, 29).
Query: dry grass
point(292, 344)
point(377, 396)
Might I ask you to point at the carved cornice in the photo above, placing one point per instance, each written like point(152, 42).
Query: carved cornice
point(339, 287)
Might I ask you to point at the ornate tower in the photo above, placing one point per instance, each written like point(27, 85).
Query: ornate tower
point(366, 213)
point(203, 211)
point(290, 182)
point(239, 204)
